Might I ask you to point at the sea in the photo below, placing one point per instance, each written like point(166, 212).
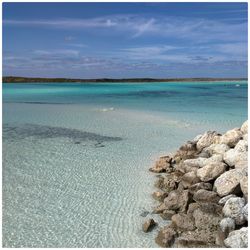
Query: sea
point(76, 155)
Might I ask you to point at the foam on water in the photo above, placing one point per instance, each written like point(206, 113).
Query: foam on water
point(75, 163)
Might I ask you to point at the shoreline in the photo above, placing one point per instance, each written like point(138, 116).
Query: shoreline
point(19, 79)
point(202, 192)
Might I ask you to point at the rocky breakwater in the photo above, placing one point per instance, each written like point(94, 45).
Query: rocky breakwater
point(203, 192)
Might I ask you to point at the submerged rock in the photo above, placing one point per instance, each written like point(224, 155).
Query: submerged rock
point(148, 225)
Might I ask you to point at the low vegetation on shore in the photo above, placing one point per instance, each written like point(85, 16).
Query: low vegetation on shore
point(17, 79)
point(203, 192)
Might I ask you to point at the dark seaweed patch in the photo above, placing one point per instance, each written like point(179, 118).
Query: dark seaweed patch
point(11, 132)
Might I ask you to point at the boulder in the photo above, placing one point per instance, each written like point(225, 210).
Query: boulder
point(177, 200)
point(189, 179)
point(196, 239)
point(228, 182)
point(224, 199)
point(159, 209)
point(159, 195)
point(186, 151)
point(166, 236)
point(241, 146)
point(241, 164)
point(245, 137)
point(201, 185)
point(183, 222)
point(231, 137)
point(232, 157)
point(216, 149)
point(148, 225)
point(227, 225)
point(162, 165)
point(244, 186)
point(211, 171)
point(233, 209)
point(201, 161)
point(206, 196)
point(169, 182)
point(206, 221)
point(237, 238)
point(167, 214)
point(244, 127)
point(245, 212)
point(207, 139)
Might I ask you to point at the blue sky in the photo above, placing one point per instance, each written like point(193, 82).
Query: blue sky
point(92, 40)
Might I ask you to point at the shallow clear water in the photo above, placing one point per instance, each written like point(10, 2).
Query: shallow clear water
point(76, 156)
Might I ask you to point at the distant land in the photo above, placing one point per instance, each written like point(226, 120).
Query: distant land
point(19, 79)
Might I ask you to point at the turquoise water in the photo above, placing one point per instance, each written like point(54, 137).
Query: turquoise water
point(76, 156)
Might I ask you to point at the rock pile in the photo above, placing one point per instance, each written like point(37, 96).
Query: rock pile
point(203, 190)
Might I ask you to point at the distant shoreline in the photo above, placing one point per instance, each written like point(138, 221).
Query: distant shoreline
point(17, 79)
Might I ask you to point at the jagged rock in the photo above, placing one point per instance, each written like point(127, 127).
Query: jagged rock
point(228, 182)
point(204, 154)
point(196, 239)
point(206, 196)
point(167, 214)
point(223, 200)
point(233, 209)
point(245, 212)
point(197, 138)
point(244, 127)
point(211, 171)
point(216, 149)
point(159, 209)
point(232, 157)
point(166, 236)
point(162, 165)
point(231, 137)
point(159, 195)
point(237, 238)
point(207, 139)
point(189, 179)
point(201, 185)
point(169, 182)
point(148, 225)
point(244, 186)
point(206, 221)
point(177, 200)
point(186, 151)
point(183, 222)
point(192, 207)
point(227, 225)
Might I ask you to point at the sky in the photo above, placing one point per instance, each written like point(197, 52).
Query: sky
point(125, 40)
